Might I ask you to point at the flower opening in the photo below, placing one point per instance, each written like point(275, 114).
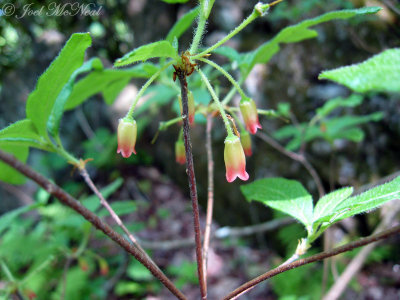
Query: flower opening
point(235, 161)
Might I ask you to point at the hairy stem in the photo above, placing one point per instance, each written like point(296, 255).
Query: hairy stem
point(201, 24)
point(144, 88)
point(217, 102)
point(68, 200)
point(210, 194)
point(317, 257)
point(192, 183)
point(226, 74)
point(235, 31)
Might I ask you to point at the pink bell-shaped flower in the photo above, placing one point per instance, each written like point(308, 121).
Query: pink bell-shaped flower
point(250, 116)
point(180, 154)
point(235, 161)
point(245, 140)
point(127, 132)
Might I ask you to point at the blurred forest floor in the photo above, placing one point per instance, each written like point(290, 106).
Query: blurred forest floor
point(159, 187)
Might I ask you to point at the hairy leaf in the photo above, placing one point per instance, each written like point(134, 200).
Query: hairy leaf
point(41, 101)
point(23, 133)
point(175, 1)
point(53, 123)
point(93, 203)
point(343, 127)
point(7, 218)
point(332, 104)
point(143, 53)
point(9, 174)
point(288, 196)
point(182, 25)
point(110, 82)
point(365, 202)
point(327, 204)
point(121, 208)
point(294, 34)
point(380, 73)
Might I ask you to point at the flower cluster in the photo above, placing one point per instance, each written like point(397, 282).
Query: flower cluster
point(235, 148)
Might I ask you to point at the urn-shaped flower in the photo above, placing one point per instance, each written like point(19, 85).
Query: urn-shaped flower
point(245, 139)
point(180, 154)
point(250, 116)
point(235, 161)
point(127, 132)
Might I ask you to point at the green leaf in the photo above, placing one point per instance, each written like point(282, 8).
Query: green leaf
point(228, 52)
point(110, 82)
point(336, 127)
point(175, 1)
point(23, 133)
point(7, 218)
point(40, 102)
point(380, 73)
point(327, 204)
point(121, 208)
point(343, 127)
point(158, 95)
point(53, 123)
point(332, 104)
point(143, 53)
point(296, 33)
point(138, 272)
point(92, 202)
point(182, 25)
point(288, 196)
point(9, 174)
point(365, 202)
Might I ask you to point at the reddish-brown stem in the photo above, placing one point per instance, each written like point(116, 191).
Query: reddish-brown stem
point(192, 182)
point(317, 257)
point(68, 200)
point(210, 194)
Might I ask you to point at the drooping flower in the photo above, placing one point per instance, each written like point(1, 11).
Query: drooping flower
point(191, 107)
point(250, 116)
point(127, 132)
point(235, 161)
point(245, 139)
point(180, 154)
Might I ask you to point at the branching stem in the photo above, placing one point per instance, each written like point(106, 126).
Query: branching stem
point(317, 257)
point(68, 200)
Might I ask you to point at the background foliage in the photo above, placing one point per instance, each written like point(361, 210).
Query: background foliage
point(352, 140)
